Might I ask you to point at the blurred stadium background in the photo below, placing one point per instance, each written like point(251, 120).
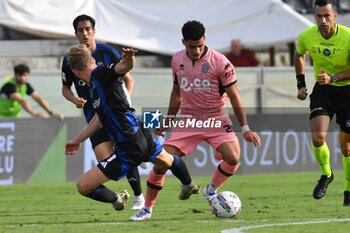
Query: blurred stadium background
point(268, 90)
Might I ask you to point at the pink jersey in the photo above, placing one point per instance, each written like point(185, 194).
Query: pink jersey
point(202, 83)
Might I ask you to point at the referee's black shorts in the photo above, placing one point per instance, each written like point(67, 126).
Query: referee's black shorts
point(331, 100)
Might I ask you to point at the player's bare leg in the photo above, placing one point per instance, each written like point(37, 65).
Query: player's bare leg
point(230, 152)
point(165, 161)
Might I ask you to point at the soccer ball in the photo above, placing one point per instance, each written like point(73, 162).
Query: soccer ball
point(225, 205)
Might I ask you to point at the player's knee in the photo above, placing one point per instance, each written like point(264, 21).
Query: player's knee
point(164, 160)
point(232, 160)
point(318, 140)
point(159, 170)
point(82, 188)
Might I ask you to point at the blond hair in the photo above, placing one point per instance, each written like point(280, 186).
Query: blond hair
point(79, 57)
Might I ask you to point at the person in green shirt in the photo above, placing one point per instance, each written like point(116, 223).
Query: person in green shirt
point(12, 95)
point(328, 45)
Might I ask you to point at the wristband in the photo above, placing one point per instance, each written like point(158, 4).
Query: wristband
point(50, 112)
point(300, 81)
point(245, 128)
point(333, 78)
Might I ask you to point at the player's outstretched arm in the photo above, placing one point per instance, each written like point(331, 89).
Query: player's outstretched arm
point(128, 61)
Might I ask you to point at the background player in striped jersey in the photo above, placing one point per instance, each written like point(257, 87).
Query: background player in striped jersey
point(84, 27)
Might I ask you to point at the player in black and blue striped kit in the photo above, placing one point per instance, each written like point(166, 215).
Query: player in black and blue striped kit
point(84, 27)
point(133, 143)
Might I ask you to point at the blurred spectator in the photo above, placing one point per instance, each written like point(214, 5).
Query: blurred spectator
point(343, 6)
point(12, 95)
point(301, 6)
point(162, 61)
point(306, 6)
point(240, 56)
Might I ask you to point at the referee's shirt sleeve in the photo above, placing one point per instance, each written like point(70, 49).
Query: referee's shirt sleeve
point(300, 47)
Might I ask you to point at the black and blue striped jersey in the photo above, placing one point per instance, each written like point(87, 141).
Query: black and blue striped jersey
point(103, 55)
point(110, 102)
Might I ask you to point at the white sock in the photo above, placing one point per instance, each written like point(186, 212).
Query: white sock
point(139, 197)
point(211, 188)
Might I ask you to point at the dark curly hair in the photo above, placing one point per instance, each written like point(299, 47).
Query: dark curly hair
point(193, 30)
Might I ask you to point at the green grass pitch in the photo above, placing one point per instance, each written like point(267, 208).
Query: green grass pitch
point(270, 203)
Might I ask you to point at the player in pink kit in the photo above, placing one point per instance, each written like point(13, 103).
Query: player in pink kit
point(203, 81)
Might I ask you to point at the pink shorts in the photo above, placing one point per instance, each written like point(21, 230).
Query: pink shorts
point(186, 142)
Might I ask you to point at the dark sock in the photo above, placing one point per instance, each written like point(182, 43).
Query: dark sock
point(134, 180)
point(103, 194)
point(179, 169)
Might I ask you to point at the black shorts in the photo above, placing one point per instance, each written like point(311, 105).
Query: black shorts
point(142, 148)
point(99, 137)
point(331, 100)
point(115, 166)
